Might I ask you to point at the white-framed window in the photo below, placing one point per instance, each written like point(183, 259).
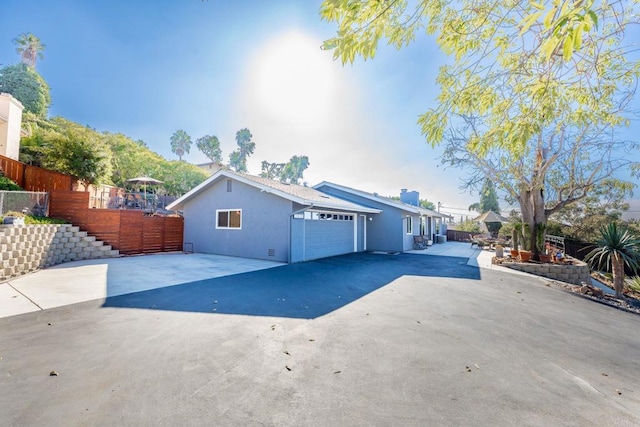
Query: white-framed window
point(229, 219)
point(409, 225)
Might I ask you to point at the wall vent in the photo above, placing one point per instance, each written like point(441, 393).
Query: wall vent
point(271, 252)
point(229, 186)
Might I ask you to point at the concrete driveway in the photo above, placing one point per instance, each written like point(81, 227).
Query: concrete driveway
point(363, 339)
point(80, 281)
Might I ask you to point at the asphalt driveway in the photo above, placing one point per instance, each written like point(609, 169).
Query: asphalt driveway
point(363, 339)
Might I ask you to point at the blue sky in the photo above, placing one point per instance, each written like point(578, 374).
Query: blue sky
point(147, 69)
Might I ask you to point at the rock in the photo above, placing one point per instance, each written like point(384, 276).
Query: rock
point(591, 290)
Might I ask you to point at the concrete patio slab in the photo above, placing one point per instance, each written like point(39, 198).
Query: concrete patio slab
point(80, 281)
point(13, 302)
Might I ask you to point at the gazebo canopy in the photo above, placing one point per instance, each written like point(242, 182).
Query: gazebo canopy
point(491, 216)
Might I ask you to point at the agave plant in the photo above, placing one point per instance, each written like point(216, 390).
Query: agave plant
point(616, 247)
point(633, 283)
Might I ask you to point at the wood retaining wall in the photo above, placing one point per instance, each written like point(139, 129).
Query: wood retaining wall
point(129, 231)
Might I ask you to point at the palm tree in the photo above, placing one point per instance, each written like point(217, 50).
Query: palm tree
point(180, 143)
point(617, 247)
point(30, 48)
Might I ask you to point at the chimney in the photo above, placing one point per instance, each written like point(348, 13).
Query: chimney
point(410, 197)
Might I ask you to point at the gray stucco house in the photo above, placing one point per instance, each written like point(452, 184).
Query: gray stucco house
point(393, 229)
point(243, 215)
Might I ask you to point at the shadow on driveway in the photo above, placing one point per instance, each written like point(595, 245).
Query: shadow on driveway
point(304, 290)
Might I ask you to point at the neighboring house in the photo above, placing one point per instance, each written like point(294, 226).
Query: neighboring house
point(10, 126)
point(211, 167)
point(243, 215)
point(392, 230)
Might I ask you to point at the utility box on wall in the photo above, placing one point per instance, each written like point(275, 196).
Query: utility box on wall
point(10, 126)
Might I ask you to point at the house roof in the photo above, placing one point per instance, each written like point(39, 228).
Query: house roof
point(384, 200)
point(302, 195)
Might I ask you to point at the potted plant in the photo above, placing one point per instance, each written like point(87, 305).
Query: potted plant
point(525, 256)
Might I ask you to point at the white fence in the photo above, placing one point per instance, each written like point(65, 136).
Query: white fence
point(27, 202)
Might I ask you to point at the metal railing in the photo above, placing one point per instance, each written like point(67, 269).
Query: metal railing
point(26, 202)
point(148, 202)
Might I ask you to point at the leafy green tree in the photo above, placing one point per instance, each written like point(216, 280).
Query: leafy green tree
point(294, 169)
point(30, 48)
point(572, 166)
point(489, 197)
point(180, 143)
point(530, 75)
point(180, 177)
point(584, 219)
point(272, 170)
point(78, 151)
point(427, 204)
point(290, 172)
point(616, 248)
point(469, 225)
point(129, 159)
point(27, 86)
point(210, 147)
point(246, 147)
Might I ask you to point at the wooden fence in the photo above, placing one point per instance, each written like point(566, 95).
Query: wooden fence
point(129, 231)
point(459, 236)
point(33, 178)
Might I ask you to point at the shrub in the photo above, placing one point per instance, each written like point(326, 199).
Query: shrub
point(33, 220)
point(7, 185)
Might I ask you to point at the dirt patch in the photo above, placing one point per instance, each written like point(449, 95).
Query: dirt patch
point(630, 303)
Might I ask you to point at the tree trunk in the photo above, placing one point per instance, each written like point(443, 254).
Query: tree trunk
point(533, 215)
point(617, 268)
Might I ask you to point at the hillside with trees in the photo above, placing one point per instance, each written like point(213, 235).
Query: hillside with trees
point(101, 157)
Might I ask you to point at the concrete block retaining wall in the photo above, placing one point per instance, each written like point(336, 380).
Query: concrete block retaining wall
point(576, 273)
point(24, 249)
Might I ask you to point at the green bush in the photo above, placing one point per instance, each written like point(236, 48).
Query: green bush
point(7, 185)
point(34, 220)
point(31, 219)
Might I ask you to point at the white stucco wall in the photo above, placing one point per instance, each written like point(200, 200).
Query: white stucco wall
point(10, 124)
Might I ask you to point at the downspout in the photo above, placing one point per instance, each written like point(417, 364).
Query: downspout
point(304, 233)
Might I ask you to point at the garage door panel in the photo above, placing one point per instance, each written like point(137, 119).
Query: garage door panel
point(328, 238)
